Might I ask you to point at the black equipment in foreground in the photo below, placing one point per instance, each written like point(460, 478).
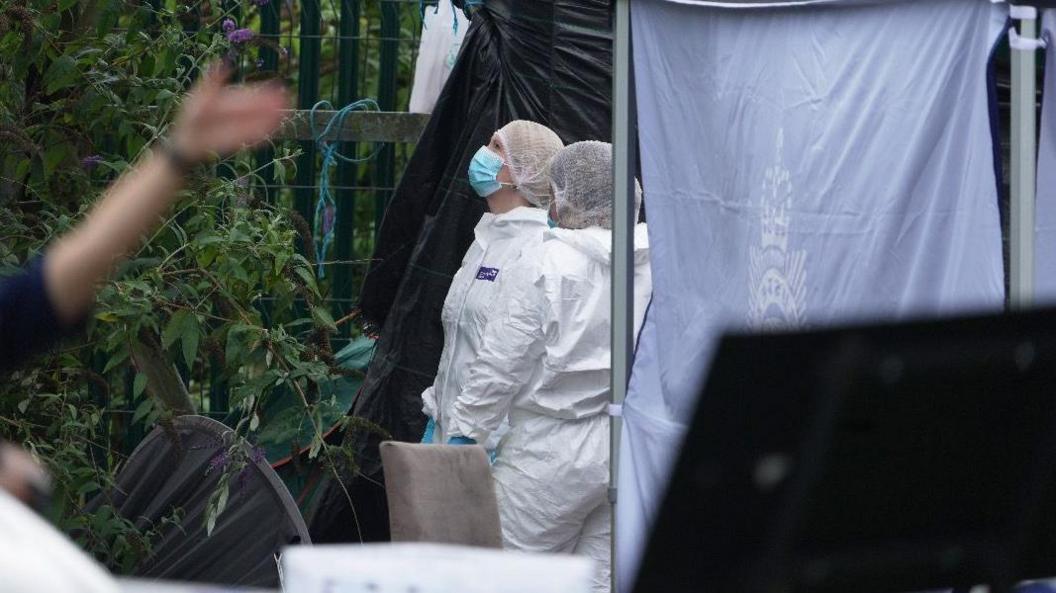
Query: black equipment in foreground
point(873, 459)
point(167, 487)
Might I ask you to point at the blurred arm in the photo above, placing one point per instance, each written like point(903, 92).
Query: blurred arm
point(214, 119)
point(76, 265)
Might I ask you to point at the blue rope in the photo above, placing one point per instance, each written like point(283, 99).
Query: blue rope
point(325, 207)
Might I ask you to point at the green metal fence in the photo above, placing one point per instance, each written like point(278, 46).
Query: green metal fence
point(340, 51)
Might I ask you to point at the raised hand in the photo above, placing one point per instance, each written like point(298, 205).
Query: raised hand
point(216, 118)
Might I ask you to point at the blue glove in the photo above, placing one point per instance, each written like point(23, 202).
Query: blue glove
point(430, 428)
point(461, 441)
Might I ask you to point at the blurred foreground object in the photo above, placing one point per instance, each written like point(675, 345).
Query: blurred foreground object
point(37, 558)
point(222, 512)
point(430, 568)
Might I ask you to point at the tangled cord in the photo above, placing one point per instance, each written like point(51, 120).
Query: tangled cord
point(326, 207)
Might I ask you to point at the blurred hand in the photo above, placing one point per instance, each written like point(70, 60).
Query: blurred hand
point(220, 119)
point(20, 475)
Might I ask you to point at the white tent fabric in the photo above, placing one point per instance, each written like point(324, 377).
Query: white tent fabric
point(801, 167)
point(1045, 221)
point(783, 3)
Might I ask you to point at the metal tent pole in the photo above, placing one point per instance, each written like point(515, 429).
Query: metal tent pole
point(623, 147)
point(1024, 157)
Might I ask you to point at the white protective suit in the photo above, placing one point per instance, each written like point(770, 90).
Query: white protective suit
point(473, 299)
point(546, 362)
point(500, 239)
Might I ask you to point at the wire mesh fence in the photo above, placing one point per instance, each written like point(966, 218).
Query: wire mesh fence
point(338, 51)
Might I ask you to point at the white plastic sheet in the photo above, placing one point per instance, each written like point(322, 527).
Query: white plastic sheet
point(802, 166)
point(443, 29)
point(429, 568)
point(1045, 221)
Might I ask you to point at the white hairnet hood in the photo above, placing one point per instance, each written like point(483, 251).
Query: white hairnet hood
point(529, 147)
point(581, 175)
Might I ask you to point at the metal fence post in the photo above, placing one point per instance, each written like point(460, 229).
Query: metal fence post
point(1024, 156)
point(269, 29)
point(623, 150)
point(344, 239)
point(384, 173)
point(307, 96)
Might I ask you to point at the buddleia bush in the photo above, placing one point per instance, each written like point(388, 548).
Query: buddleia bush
point(219, 296)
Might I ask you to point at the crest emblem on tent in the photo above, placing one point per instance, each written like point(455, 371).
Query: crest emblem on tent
point(776, 275)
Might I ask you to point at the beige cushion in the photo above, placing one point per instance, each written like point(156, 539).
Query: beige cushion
point(441, 494)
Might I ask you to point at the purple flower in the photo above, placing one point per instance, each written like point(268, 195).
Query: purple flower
point(228, 25)
point(243, 479)
point(90, 162)
point(261, 2)
point(328, 219)
point(219, 461)
point(257, 455)
point(239, 36)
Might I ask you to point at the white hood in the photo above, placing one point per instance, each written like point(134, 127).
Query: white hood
point(495, 227)
point(596, 242)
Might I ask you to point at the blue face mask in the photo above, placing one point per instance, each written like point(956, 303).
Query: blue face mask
point(484, 171)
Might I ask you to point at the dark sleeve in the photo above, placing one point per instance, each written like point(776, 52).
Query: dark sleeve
point(28, 322)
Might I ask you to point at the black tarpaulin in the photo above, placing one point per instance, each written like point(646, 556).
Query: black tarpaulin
point(547, 61)
point(173, 473)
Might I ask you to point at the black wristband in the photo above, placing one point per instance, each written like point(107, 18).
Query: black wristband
point(174, 156)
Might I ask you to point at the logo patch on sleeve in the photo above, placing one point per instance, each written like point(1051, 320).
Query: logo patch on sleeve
point(489, 274)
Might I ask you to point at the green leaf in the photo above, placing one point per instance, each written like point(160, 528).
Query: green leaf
point(308, 277)
point(280, 171)
point(23, 168)
point(54, 155)
point(119, 357)
point(107, 19)
point(190, 337)
point(67, 4)
point(60, 74)
point(208, 238)
point(134, 144)
point(118, 166)
point(207, 256)
point(236, 343)
point(88, 487)
point(210, 521)
point(139, 385)
point(142, 410)
point(254, 423)
point(322, 317)
point(174, 329)
point(280, 262)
